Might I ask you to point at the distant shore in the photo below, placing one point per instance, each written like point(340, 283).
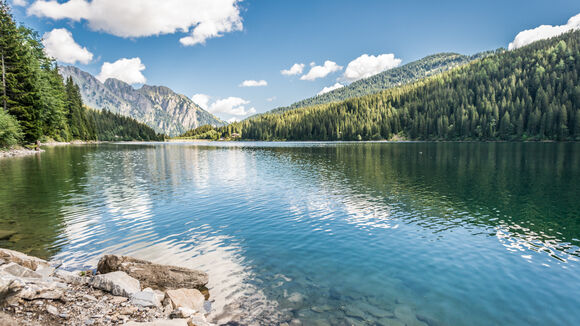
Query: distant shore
point(19, 151)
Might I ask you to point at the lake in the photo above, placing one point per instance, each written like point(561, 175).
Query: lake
point(326, 233)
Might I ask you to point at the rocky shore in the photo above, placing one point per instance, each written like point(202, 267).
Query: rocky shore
point(121, 290)
point(18, 152)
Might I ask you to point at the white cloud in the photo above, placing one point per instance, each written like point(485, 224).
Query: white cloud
point(296, 69)
point(543, 32)
point(201, 19)
point(59, 44)
point(330, 88)
point(321, 71)
point(127, 70)
point(368, 65)
point(271, 99)
point(235, 106)
point(202, 100)
point(253, 83)
point(22, 3)
point(233, 119)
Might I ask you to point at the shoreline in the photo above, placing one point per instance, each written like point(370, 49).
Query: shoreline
point(120, 290)
point(18, 152)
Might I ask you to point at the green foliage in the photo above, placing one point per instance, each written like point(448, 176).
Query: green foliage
point(10, 133)
point(113, 126)
point(531, 93)
point(41, 103)
point(202, 132)
point(403, 75)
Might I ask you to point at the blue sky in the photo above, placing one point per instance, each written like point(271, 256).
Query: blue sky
point(271, 36)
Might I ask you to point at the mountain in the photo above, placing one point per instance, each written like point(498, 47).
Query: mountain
point(405, 74)
point(531, 93)
point(157, 106)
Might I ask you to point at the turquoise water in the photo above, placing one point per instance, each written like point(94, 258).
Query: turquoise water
point(326, 233)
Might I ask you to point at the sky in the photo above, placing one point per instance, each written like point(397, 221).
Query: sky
point(236, 58)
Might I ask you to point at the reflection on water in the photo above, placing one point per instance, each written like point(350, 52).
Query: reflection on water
point(341, 234)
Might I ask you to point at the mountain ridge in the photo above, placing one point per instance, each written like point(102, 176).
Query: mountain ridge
point(405, 74)
point(156, 106)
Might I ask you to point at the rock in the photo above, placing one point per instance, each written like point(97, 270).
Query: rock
point(296, 297)
point(45, 272)
point(6, 234)
point(21, 259)
point(376, 311)
point(182, 313)
point(146, 299)
point(199, 321)
point(390, 322)
point(7, 320)
point(71, 277)
point(405, 314)
point(8, 287)
point(89, 297)
point(186, 298)
point(116, 283)
point(160, 322)
point(128, 310)
point(41, 290)
point(117, 300)
point(355, 312)
point(295, 322)
point(52, 310)
point(160, 277)
point(18, 271)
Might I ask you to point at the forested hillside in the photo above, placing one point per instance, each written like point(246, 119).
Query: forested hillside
point(405, 74)
point(36, 102)
point(532, 93)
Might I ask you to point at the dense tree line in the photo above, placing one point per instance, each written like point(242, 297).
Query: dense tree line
point(37, 104)
point(403, 75)
point(532, 93)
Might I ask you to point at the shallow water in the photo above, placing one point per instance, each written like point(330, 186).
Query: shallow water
point(327, 233)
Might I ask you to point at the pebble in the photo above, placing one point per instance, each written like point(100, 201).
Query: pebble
point(89, 297)
point(52, 310)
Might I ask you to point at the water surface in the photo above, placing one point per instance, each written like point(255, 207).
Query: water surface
point(327, 233)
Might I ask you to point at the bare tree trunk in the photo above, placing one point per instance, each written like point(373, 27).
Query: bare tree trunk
point(4, 83)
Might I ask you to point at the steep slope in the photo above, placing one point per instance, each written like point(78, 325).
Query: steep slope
point(158, 107)
point(405, 74)
point(532, 93)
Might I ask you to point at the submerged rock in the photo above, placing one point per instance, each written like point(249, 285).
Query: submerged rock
point(406, 314)
point(160, 277)
point(116, 283)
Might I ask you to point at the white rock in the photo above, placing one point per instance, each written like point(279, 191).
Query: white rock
point(52, 310)
point(160, 322)
point(182, 313)
point(186, 298)
point(145, 299)
point(117, 283)
point(19, 271)
point(41, 290)
point(71, 277)
point(21, 259)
